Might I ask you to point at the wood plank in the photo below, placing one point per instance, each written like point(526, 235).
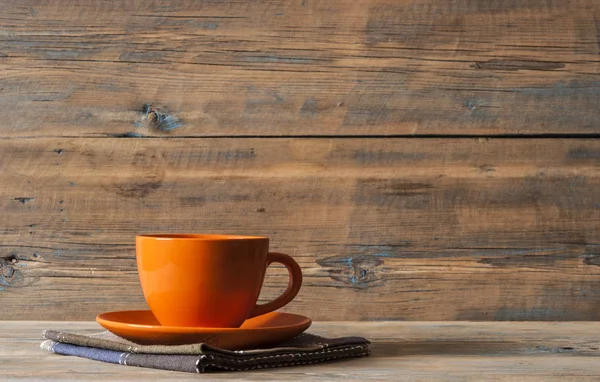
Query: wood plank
point(412, 229)
point(408, 351)
point(288, 68)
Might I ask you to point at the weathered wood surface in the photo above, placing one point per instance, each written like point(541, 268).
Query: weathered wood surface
point(416, 229)
point(422, 228)
point(426, 351)
point(230, 68)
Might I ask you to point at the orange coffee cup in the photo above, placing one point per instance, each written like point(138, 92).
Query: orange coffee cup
point(209, 280)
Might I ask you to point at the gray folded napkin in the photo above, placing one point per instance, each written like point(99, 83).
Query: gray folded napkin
point(199, 358)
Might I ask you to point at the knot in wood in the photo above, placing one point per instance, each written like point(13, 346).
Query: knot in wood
point(8, 271)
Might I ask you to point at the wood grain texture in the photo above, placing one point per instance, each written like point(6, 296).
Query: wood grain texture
point(414, 229)
point(123, 117)
point(408, 351)
point(290, 68)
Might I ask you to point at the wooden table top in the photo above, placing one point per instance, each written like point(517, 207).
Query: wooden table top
point(415, 351)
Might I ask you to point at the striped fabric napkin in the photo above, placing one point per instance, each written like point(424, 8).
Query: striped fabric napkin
point(199, 358)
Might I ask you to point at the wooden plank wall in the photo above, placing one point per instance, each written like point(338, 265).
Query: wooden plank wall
point(422, 160)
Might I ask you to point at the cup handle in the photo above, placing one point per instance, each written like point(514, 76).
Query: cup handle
point(293, 285)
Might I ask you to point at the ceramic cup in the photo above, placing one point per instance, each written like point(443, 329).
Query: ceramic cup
point(209, 280)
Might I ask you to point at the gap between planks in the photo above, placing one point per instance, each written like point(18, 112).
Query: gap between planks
point(374, 136)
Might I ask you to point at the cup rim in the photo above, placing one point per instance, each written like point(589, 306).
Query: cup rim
point(200, 237)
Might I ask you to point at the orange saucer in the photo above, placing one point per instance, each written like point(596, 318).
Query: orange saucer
point(141, 327)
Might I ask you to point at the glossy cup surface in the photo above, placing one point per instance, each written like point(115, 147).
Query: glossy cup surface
point(201, 280)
